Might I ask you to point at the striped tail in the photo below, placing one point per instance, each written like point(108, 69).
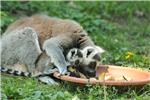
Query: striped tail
point(14, 72)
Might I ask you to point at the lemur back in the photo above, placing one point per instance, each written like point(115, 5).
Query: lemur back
point(47, 27)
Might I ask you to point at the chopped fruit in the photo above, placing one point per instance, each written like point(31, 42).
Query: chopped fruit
point(92, 78)
point(71, 69)
point(107, 76)
point(119, 78)
point(101, 76)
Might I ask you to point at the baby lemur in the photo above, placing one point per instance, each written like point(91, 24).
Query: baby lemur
point(39, 43)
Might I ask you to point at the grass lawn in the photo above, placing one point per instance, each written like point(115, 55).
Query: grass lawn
point(121, 28)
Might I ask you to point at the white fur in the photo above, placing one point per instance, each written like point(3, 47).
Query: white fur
point(72, 58)
point(100, 49)
point(96, 49)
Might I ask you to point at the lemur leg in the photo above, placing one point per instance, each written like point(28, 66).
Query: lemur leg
point(54, 48)
point(21, 46)
point(43, 74)
point(44, 69)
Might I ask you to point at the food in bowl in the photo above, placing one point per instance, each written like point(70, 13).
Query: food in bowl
point(103, 76)
point(109, 77)
point(72, 71)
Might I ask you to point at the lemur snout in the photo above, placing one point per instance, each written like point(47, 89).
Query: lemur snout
point(91, 73)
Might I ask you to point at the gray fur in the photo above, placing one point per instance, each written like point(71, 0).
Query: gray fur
point(74, 55)
point(20, 46)
point(54, 48)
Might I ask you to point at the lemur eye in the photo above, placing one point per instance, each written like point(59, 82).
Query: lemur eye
point(89, 51)
point(72, 53)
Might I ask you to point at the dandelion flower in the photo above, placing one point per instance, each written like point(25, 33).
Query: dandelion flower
point(129, 55)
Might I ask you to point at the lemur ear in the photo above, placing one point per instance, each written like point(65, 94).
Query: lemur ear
point(97, 57)
point(100, 49)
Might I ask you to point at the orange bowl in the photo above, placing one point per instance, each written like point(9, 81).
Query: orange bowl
point(138, 77)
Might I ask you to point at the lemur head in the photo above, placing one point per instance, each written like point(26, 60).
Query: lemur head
point(74, 56)
point(91, 59)
point(85, 60)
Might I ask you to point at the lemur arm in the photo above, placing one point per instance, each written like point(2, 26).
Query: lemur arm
point(54, 47)
point(84, 41)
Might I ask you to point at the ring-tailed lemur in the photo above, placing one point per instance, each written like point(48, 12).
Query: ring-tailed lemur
point(82, 60)
point(27, 39)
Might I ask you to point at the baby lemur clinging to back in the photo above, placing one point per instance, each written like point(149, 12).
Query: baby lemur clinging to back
point(39, 43)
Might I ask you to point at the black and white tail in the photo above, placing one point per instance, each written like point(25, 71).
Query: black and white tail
point(14, 72)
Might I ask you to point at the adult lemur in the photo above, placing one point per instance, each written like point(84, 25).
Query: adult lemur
point(39, 43)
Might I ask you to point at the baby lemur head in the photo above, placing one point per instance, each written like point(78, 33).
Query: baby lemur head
point(85, 60)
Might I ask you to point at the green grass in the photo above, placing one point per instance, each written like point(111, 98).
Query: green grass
point(119, 27)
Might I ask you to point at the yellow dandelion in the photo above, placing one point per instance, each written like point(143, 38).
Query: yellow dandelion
point(129, 55)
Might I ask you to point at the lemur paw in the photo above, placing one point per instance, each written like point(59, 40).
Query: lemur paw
point(63, 70)
point(48, 80)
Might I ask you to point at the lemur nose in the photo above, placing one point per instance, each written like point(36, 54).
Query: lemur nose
point(77, 62)
point(92, 73)
point(93, 65)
